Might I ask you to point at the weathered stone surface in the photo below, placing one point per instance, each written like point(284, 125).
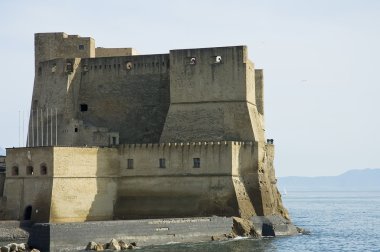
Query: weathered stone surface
point(243, 227)
point(13, 247)
point(114, 245)
point(123, 245)
point(273, 225)
point(22, 247)
point(99, 247)
point(91, 245)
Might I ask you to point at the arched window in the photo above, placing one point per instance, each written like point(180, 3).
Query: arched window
point(15, 170)
point(43, 169)
point(29, 170)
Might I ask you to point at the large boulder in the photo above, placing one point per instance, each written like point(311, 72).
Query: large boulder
point(99, 247)
point(13, 247)
point(123, 245)
point(91, 245)
point(22, 247)
point(114, 245)
point(243, 227)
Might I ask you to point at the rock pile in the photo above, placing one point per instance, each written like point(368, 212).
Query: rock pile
point(112, 245)
point(14, 247)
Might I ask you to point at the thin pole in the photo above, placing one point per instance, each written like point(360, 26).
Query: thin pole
point(23, 128)
point(19, 122)
point(47, 126)
point(51, 127)
point(42, 128)
point(37, 129)
point(56, 128)
point(28, 143)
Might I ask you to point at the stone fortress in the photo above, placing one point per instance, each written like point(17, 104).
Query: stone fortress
point(116, 135)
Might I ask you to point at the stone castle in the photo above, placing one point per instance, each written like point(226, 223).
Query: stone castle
point(117, 135)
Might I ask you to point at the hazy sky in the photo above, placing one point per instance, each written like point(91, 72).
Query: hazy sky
point(320, 60)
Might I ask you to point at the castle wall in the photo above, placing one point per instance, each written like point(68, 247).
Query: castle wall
point(49, 46)
point(133, 102)
point(210, 100)
point(259, 90)
point(179, 189)
point(31, 187)
point(128, 104)
point(84, 185)
point(113, 52)
point(2, 181)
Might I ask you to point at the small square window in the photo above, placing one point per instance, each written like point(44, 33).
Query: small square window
point(76, 130)
point(81, 47)
point(130, 164)
point(83, 107)
point(197, 163)
point(162, 163)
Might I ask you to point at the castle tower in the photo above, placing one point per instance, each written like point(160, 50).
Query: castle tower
point(213, 96)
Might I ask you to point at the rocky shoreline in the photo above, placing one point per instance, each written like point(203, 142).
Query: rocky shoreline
point(75, 236)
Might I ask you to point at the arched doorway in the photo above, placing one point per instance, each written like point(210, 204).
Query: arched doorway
point(28, 213)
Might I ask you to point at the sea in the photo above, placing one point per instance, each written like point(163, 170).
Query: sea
point(337, 221)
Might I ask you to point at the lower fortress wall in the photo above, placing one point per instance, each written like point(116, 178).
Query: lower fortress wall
point(138, 182)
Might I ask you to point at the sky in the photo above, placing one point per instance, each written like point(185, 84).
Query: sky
point(320, 60)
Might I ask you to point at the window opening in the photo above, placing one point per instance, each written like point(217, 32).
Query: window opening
point(130, 163)
point(14, 171)
point(162, 163)
point(83, 107)
point(197, 163)
point(29, 170)
point(43, 169)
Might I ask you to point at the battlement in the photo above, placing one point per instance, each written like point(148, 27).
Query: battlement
point(50, 46)
point(186, 144)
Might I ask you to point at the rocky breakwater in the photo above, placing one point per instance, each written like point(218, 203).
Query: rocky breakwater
point(17, 247)
point(112, 245)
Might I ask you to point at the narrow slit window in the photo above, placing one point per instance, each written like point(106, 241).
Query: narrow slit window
point(162, 163)
point(196, 163)
point(130, 163)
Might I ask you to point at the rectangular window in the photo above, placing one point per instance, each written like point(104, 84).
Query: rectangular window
point(130, 164)
point(81, 47)
point(197, 163)
point(162, 163)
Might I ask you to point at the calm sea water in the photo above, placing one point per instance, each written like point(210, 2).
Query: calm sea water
point(338, 221)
